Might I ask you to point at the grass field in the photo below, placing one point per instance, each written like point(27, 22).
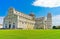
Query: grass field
point(29, 34)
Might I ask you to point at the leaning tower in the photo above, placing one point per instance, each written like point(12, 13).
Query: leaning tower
point(49, 21)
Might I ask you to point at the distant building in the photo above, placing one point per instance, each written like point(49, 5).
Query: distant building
point(49, 21)
point(44, 22)
point(19, 20)
point(40, 23)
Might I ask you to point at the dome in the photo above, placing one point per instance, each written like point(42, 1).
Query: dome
point(31, 14)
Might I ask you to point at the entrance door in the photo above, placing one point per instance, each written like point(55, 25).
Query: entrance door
point(13, 25)
point(9, 26)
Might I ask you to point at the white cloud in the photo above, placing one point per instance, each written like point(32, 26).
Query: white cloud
point(56, 20)
point(47, 3)
point(1, 20)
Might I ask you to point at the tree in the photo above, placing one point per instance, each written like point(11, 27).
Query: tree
point(54, 27)
point(58, 27)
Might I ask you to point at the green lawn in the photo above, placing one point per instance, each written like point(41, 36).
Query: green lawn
point(29, 34)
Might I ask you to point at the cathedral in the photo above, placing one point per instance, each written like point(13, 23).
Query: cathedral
point(19, 20)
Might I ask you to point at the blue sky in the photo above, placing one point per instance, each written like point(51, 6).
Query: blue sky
point(36, 6)
point(26, 7)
